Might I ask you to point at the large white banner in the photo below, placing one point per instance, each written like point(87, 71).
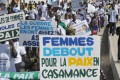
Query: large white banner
point(69, 58)
point(77, 4)
point(9, 25)
point(30, 30)
point(82, 28)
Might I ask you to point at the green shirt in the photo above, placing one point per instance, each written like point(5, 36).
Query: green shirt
point(62, 24)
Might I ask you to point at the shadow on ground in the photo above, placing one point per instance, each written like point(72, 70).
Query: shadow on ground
point(105, 59)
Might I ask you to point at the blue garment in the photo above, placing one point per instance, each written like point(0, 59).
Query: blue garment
point(95, 28)
point(15, 10)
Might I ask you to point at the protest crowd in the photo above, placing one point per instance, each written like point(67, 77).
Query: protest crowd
point(14, 58)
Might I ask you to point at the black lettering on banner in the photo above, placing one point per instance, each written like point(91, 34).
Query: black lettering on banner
point(31, 43)
point(72, 73)
point(35, 37)
point(63, 62)
point(16, 17)
point(2, 20)
point(47, 32)
point(9, 34)
point(7, 19)
point(49, 62)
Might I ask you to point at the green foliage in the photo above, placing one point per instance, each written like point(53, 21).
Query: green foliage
point(70, 30)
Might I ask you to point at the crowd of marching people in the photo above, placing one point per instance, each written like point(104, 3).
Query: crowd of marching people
point(64, 17)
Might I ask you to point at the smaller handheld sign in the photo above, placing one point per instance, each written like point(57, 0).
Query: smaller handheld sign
point(82, 28)
point(30, 30)
point(77, 4)
point(9, 34)
point(9, 26)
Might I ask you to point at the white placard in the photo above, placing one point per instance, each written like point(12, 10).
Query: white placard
point(69, 58)
point(31, 29)
point(77, 4)
point(82, 28)
point(9, 25)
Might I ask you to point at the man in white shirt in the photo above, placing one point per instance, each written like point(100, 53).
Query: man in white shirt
point(21, 53)
point(65, 5)
point(44, 9)
point(60, 11)
point(112, 19)
point(74, 20)
point(101, 14)
point(80, 14)
point(7, 55)
point(66, 20)
point(51, 16)
point(32, 13)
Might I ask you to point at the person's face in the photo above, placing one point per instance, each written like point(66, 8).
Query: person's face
point(10, 10)
point(51, 14)
point(66, 16)
point(56, 19)
point(95, 14)
point(74, 17)
point(30, 2)
point(80, 3)
point(84, 27)
point(29, 18)
point(79, 10)
point(113, 6)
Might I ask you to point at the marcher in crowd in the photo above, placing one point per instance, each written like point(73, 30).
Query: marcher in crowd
point(112, 19)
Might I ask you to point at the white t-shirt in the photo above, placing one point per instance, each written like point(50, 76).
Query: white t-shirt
point(44, 7)
point(119, 6)
point(6, 61)
point(44, 10)
point(65, 6)
point(50, 19)
point(80, 17)
point(113, 14)
point(96, 9)
point(101, 12)
point(76, 22)
point(67, 22)
point(61, 30)
point(39, 6)
point(116, 8)
point(32, 13)
point(36, 12)
point(59, 12)
point(20, 51)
